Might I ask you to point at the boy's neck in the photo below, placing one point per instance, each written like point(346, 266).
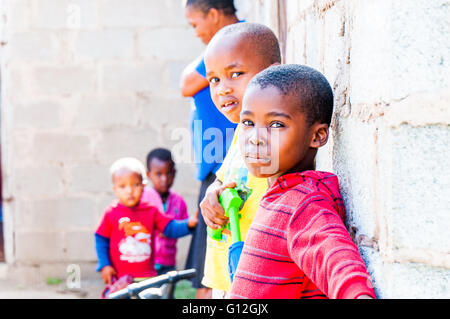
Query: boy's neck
point(227, 20)
point(307, 164)
point(164, 196)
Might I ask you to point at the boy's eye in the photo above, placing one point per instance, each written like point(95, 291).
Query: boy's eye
point(247, 122)
point(213, 80)
point(236, 74)
point(276, 125)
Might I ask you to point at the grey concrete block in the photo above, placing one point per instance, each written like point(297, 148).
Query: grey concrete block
point(56, 215)
point(40, 247)
point(38, 181)
point(61, 80)
point(53, 147)
point(89, 178)
point(420, 188)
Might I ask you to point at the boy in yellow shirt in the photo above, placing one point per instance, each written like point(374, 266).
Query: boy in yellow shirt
point(234, 55)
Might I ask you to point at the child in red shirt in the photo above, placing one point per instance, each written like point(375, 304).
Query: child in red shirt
point(297, 245)
point(125, 242)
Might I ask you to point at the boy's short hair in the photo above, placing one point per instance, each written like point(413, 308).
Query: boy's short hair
point(305, 84)
point(162, 154)
point(128, 164)
point(226, 6)
point(260, 37)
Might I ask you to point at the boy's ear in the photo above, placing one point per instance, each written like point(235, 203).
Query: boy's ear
point(214, 14)
point(148, 174)
point(320, 135)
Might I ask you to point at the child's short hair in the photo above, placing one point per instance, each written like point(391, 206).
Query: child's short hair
point(226, 6)
point(307, 85)
point(261, 38)
point(128, 164)
point(162, 154)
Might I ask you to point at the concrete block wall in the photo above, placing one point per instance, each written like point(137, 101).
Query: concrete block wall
point(388, 63)
point(83, 83)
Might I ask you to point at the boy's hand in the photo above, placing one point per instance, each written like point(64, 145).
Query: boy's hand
point(212, 211)
point(193, 220)
point(107, 273)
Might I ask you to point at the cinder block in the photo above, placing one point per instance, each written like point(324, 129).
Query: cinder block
point(64, 14)
point(334, 48)
point(416, 281)
point(56, 215)
point(313, 39)
point(63, 79)
point(54, 147)
point(171, 111)
point(105, 44)
point(81, 246)
point(141, 13)
point(174, 69)
point(356, 171)
point(38, 114)
point(420, 191)
point(38, 180)
point(185, 180)
point(371, 82)
point(125, 142)
point(89, 178)
point(166, 44)
point(134, 77)
point(19, 15)
point(420, 50)
point(106, 111)
point(35, 46)
point(39, 247)
point(295, 42)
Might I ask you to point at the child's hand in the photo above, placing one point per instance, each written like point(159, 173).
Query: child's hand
point(193, 220)
point(212, 211)
point(107, 273)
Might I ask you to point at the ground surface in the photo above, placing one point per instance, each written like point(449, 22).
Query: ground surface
point(89, 290)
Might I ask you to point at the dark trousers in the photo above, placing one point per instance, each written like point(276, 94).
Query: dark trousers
point(197, 249)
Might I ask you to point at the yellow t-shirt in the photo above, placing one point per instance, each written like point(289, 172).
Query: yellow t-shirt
point(216, 260)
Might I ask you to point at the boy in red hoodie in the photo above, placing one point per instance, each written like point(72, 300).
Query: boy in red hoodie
point(297, 245)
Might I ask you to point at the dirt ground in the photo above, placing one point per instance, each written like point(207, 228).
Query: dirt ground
point(13, 290)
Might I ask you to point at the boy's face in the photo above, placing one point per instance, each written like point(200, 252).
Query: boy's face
point(162, 174)
point(128, 187)
point(204, 25)
point(275, 134)
point(230, 65)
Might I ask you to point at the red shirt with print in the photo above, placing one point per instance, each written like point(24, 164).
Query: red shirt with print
point(131, 235)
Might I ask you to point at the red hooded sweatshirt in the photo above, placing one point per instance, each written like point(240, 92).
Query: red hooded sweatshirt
point(298, 245)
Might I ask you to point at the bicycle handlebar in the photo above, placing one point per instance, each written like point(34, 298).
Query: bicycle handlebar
point(135, 288)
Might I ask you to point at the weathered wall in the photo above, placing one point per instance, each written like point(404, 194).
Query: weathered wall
point(83, 83)
point(388, 63)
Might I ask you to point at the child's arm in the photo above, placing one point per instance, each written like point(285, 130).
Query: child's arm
point(212, 211)
point(180, 228)
point(104, 264)
point(321, 246)
point(191, 80)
